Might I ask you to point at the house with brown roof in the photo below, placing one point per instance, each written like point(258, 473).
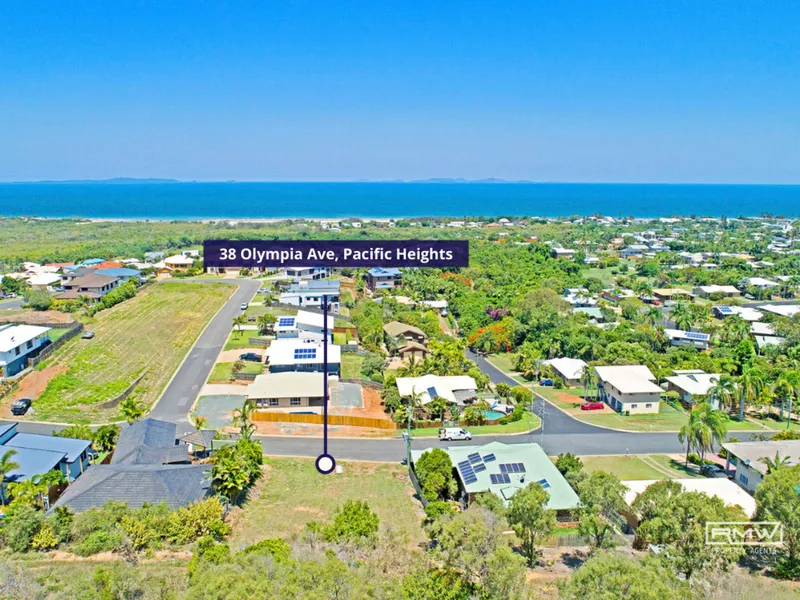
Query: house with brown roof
point(92, 286)
point(408, 332)
point(413, 350)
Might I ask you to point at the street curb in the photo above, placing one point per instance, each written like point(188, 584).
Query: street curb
point(341, 460)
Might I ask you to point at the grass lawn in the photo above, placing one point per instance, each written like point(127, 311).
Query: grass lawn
point(775, 425)
point(238, 340)
point(624, 467)
point(528, 422)
point(675, 466)
point(603, 275)
point(670, 420)
point(351, 365)
point(221, 373)
point(57, 332)
point(278, 311)
point(294, 493)
point(503, 361)
point(151, 332)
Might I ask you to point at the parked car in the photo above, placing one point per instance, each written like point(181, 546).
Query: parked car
point(250, 356)
point(713, 471)
point(20, 407)
point(592, 406)
point(243, 306)
point(454, 433)
point(87, 335)
point(546, 382)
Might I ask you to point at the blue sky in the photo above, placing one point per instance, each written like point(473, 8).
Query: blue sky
point(667, 91)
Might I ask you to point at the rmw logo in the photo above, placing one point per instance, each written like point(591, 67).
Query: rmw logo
point(744, 533)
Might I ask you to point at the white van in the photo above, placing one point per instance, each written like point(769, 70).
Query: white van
point(454, 433)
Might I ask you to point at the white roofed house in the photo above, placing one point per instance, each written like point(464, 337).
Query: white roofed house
point(629, 389)
point(570, 370)
point(750, 458)
point(304, 325)
point(179, 262)
point(693, 385)
point(287, 390)
point(18, 343)
point(302, 356)
point(760, 282)
point(695, 339)
point(45, 281)
point(726, 291)
point(456, 389)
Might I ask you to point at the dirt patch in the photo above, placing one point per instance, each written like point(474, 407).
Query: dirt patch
point(36, 317)
point(31, 386)
point(312, 430)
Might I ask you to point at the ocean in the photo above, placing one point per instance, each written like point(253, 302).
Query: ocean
point(168, 201)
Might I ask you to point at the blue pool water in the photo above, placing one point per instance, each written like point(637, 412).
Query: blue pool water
point(491, 415)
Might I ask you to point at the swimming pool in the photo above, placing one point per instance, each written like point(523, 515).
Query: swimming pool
point(492, 415)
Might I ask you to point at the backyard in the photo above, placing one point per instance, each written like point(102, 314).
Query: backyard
point(149, 334)
point(528, 422)
point(223, 371)
point(293, 493)
point(351, 365)
point(646, 466)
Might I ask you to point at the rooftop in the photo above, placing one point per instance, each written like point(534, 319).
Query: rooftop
point(68, 447)
point(430, 386)
point(92, 281)
point(13, 336)
point(723, 488)
point(119, 272)
point(286, 385)
point(149, 442)
point(697, 384)
point(570, 368)
point(300, 352)
point(505, 468)
point(384, 272)
point(629, 379)
point(396, 328)
point(752, 452)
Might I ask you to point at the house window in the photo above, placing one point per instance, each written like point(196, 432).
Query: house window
point(17, 350)
point(273, 402)
point(30, 344)
point(743, 479)
point(634, 406)
point(294, 402)
point(648, 406)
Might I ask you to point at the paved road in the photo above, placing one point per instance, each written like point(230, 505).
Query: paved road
point(177, 399)
point(12, 304)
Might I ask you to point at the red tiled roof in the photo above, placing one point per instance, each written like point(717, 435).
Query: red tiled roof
point(109, 264)
point(60, 265)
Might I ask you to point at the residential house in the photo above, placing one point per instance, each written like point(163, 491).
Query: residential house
point(124, 274)
point(761, 283)
point(150, 465)
point(782, 310)
point(45, 281)
point(633, 251)
point(304, 325)
point(570, 370)
point(595, 314)
point(290, 389)
point(579, 297)
point(413, 350)
point(303, 355)
point(456, 389)
point(749, 457)
point(309, 294)
point(410, 333)
point(380, 278)
point(179, 262)
point(695, 339)
point(629, 389)
point(617, 295)
point(107, 264)
point(692, 385)
point(726, 291)
point(745, 312)
point(308, 273)
point(72, 273)
point(665, 294)
point(91, 262)
point(559, 252)
point(440, 305)
point(92, 286)
point(38, 454)
point(153, 257)
point(18, 344)
point(504, 469)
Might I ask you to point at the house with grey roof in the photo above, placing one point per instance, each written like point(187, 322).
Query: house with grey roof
point(150, 464)
point(504, 469)
point(750, 458)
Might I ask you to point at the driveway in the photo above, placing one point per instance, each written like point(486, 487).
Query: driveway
point(177, 399)
point(14, 304)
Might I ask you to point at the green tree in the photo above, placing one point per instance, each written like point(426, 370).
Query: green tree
point(682, 316)
point(133, 410)
point(434, 471)
point(429, 582)
point(568, 462)
point(778, 499)
point(608, 576)
point(775, 464)
point(106, 437)
point(503, 389)
point(241, 419)
point(354, 522)
point(7, 464)
point(266, 324)
point(238, 322)
point(530, 518)
point(602, 496)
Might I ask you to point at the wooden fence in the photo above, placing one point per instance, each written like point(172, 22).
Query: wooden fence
point(258, 342)
point(281, 417)
point(244, 376)
point(367, 383)
point(128, 391)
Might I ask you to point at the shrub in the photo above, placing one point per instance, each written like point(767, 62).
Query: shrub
point(197, 520)
point(521, 395)
point(354, 522)
point(568, 462)
point(274, 547)
point(99, 541)
point(22, 526)
point(516, 415)
point(45, 538)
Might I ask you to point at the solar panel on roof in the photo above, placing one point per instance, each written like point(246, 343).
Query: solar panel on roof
point(498, 478)
point(503, 468)
point(479, 467)
point(432, 392)
point(470, 479)
point(286, 322)
point(544, 483)
point(489, 458)
point(305, 353)
point(474, 458)
point(463, 463)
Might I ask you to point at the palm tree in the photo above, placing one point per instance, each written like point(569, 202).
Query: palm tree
point(132, 410)
point(438, 406)
point(241, 419)
point(654, 317)
point(775, 464)
point(200, 422)
point(238, 322)
point(266, 323)
point(725, 391)
point(735, 328)
point(686, 435)
point(6, 466)
point(710, 428)
point(394, 343)
point(750, 385)
point(682, 316)
point(788, 386)
point(588, 379)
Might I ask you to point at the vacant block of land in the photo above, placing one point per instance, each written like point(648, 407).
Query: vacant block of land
point(292, 493)
point(149, 334)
